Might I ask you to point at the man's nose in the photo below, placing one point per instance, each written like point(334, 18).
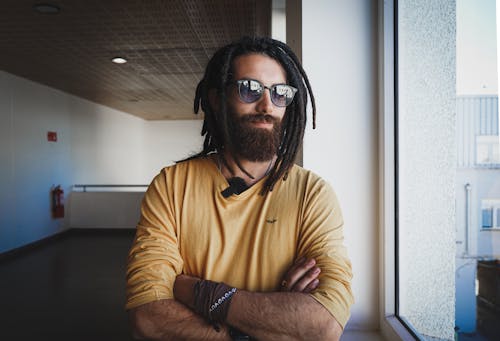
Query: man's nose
point(264, 104)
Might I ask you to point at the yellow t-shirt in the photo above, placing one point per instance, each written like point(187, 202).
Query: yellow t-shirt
point(247, 241)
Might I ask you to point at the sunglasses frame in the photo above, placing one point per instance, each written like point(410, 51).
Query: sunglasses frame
point(270, 88)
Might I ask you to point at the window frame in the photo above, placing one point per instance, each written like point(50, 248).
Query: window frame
point(391, 325)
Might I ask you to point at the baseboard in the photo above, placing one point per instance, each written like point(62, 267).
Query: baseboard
point(29, 247)
point(101, 230)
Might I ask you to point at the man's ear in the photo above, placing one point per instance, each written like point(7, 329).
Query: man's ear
point(214, 100)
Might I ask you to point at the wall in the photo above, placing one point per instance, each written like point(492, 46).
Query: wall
point(96, 145)
point(106, 145)
point(111, 147)
point(340, 55)
point(105, 209)
point(168, 141)
point(481, 244)
point(30, 164)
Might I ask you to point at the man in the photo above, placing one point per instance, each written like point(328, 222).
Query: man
point(238, 240)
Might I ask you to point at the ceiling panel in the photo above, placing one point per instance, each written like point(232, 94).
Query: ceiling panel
point(167, 44)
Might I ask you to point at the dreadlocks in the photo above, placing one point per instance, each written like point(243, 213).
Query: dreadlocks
point(215, 125)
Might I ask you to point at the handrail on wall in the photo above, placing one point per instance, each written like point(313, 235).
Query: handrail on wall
point(84, 187)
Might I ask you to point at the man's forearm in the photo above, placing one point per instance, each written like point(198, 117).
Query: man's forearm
point(282, 316)
point(171, 320)
point(272, 316)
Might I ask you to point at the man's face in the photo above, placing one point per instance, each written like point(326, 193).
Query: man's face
point(255, 128)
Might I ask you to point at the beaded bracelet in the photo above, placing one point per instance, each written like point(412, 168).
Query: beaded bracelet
point(212, 301)
point(222, 299)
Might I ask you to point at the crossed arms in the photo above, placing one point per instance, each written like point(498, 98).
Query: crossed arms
point(285, 315)
point(160, 297)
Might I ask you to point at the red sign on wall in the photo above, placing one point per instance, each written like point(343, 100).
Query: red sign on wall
point(52, 136)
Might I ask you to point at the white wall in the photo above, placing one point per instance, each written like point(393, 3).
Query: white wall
point(30, 164)
point(112, 147)
point(340, 56)
point(96, 145)
point(105, 209)
point(168, 141)
point(106, 145)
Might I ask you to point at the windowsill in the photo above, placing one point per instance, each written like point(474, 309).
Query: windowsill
point(357, 335)
point(393, 329)
point(490, 229)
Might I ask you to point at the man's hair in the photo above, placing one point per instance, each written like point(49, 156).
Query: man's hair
point(219, 74)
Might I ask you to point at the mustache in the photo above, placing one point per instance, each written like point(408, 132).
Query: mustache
point(259, 118)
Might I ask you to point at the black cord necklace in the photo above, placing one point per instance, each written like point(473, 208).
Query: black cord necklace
point(236, 184)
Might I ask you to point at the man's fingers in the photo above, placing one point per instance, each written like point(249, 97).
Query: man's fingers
point(311, 286)
point(298, 263)
point(307, 281)
point(299, 275)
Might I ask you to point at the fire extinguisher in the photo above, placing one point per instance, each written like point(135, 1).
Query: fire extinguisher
point(57, 202)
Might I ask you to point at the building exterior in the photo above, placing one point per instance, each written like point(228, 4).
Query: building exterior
point(477, 199)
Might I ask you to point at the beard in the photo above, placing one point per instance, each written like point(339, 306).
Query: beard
point(252, 143)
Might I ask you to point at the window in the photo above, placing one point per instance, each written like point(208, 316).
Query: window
point(444, 161)
point(490, 214)
point(487, 150)
point(426, 167)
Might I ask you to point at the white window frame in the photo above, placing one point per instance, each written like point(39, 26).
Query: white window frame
point(390, 325)
point(491, 144)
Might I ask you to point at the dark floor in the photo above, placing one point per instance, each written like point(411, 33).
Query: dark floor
point(70, 288)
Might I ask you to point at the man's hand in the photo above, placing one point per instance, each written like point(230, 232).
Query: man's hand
point(276, 316)
point(302, 276)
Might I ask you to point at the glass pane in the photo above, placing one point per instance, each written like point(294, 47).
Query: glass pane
point(477, 272)
point(448, 169)
point(426, 152)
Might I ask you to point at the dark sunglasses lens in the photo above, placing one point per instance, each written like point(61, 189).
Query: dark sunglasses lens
point(282, 95)
point(250, 91)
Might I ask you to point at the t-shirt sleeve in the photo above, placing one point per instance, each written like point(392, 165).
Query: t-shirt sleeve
point(154, 259)
point(322, 238)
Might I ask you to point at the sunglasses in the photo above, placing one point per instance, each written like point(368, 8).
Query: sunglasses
point(251, 91)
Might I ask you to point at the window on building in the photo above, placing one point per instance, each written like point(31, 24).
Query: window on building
point(490, 214)
point(487, 151)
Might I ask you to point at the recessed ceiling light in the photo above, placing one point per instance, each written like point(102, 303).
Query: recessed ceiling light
point(119, 60)
point(45, 8)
